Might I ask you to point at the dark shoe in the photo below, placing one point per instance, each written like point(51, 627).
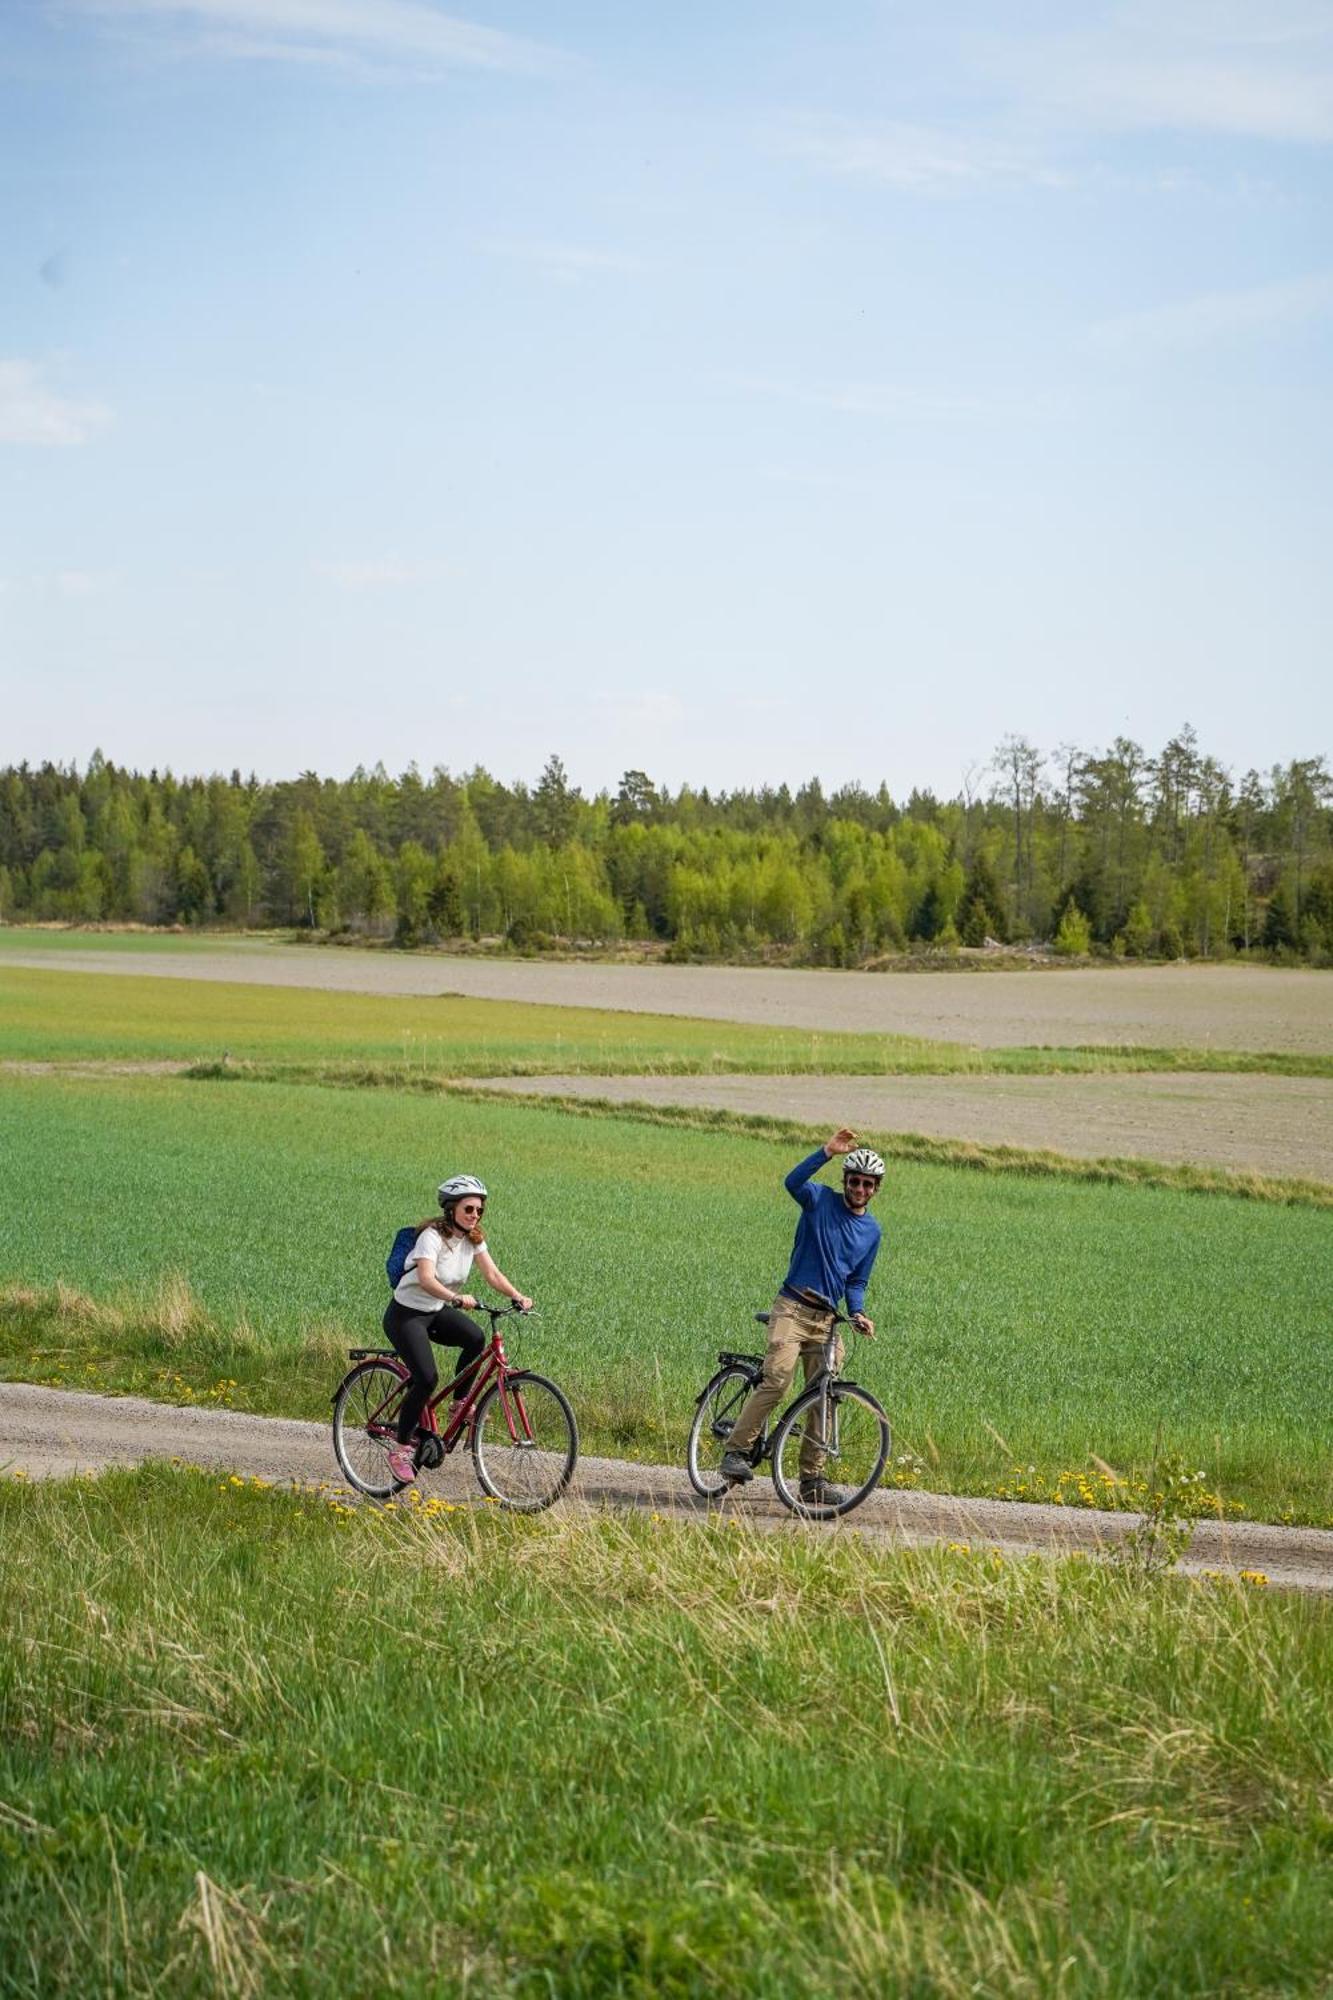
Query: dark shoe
point(818, 1493)
point(736, 1467)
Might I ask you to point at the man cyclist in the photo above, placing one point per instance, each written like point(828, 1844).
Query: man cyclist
point(832, 1257)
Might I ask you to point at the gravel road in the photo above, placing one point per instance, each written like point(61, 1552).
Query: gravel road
point(53, 1433)
point(1162, 1006)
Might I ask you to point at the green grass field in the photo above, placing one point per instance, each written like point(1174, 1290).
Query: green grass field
point(254, 1744)
point(258, 1742)
point(1025, 1323)
point(60, 938)
point(81, 1016)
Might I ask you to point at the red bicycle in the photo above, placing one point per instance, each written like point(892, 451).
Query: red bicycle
point(525, 1442)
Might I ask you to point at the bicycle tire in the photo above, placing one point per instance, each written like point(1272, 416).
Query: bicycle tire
point(525, 1473)
point(857, 1454)
point(362, 1455)
point(720, 1405)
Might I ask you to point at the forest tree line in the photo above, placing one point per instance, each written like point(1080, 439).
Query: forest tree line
point(1115, 851)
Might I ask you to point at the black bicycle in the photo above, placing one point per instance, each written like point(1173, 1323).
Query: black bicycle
point(836, 1416)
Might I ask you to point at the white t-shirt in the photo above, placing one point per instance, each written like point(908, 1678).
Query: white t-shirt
point(453, 1261)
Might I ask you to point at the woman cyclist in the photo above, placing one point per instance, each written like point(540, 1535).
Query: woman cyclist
point(429, 1308)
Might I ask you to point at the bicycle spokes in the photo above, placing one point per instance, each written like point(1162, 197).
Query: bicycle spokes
point(364, 1426)
point(840, 1436)
point(715, 1419)
point(524, 1442)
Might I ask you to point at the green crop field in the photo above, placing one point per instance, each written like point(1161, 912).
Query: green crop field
point(1025, 1323)
point(81, 1016)
point(252, 1743)
point(262, 1742)
point(148, 943)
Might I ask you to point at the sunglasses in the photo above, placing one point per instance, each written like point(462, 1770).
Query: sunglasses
point(469, 1208)
point(860, 1180)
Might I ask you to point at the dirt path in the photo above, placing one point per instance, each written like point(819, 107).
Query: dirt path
point(1274, 1126)
point(1280, 1125)
point(53, 1433)
point(1185, 1006)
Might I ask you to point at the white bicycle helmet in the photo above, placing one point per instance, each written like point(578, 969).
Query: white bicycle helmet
point(459, 1184)
point(863, 1161)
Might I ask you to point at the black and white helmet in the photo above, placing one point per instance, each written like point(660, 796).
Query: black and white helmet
point(459, 1184)
point(863, 1161)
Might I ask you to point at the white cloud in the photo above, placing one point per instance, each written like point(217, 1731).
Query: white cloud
point(1039, 103)
point(1215, 316)
point(811, 476)
point(32, 413)
point(67, 583)
point(1226, 66)
point(761, 704)
point(330, 30)
point(566, 261)
point(380, 573)
point(891, 402)
point(920, 159)
point(649, 708)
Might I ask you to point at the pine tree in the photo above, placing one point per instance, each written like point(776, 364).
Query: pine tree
point(1074, 937)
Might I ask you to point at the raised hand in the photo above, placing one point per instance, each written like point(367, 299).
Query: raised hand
point(842, 1141)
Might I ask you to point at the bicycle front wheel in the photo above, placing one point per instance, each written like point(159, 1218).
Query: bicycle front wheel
point(525, 1442)
point(710, 1433)
point(365, 1420)
point(843, 1443)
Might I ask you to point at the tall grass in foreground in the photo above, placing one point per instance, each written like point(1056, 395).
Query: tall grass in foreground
point(1024, 1323)
point(254, 1743)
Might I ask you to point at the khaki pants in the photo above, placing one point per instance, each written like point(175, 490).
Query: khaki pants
point(796, 1332)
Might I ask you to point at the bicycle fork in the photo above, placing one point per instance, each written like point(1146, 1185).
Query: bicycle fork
point(820, 1429)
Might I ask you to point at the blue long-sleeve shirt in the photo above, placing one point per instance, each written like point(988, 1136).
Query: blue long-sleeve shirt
point(835, 1249)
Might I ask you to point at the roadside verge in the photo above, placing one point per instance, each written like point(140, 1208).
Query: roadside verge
point(58, 1433)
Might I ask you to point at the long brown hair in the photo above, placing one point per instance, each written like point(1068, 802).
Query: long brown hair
point(475, 1236)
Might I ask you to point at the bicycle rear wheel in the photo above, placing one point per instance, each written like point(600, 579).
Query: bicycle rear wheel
point(855, 1449)
point(714, 1420)
point(525, 1442)
point(365, 1420)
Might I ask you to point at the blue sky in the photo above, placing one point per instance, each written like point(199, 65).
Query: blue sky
point(737, 391)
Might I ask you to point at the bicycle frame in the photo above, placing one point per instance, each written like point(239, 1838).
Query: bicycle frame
point(830, 1372)
point(491, 1365)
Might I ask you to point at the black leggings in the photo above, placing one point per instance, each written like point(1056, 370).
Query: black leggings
point(412, 1333)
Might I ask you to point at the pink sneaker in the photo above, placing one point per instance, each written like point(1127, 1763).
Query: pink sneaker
point(400, 1464)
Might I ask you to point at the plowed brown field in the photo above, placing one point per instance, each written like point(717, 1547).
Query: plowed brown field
point(1163, 1006)
point(1270, 1125)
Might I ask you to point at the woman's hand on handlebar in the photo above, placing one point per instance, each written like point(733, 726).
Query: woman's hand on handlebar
point(466, 1302)
point(522, 1305)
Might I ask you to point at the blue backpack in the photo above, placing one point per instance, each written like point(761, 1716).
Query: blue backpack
point(396, 1261)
